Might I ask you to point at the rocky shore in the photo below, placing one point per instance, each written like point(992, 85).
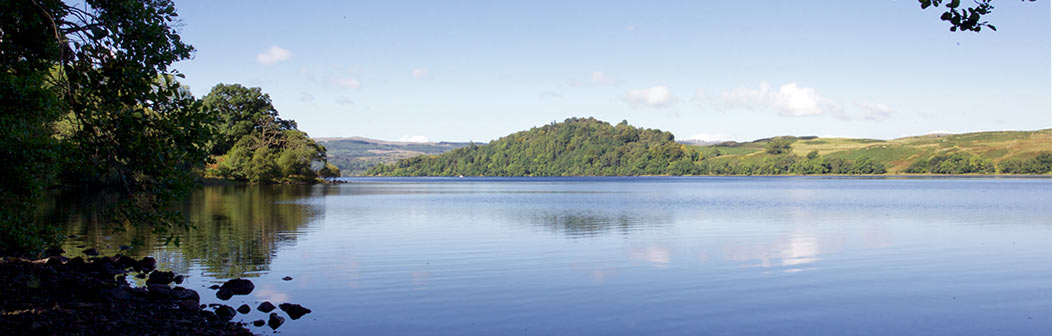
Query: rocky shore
point(63, 296)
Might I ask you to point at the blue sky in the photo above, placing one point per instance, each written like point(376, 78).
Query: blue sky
point(478, 70)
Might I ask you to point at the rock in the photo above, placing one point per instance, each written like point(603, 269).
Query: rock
point(178, 279)
point(295, 311)
point(137, 291)
point(238, 286)
point(287, 278)
point(123, 261)
point(141, 275)
point(75, 262)
point(160, 277)
point(265, 307)
point(244, 309)
point(159, 291)
point(125, 247)
point(180, 293)
point(105, 266)
point(115, 294)
point(224, 294)
point(91, 252)
point(213, 287)
point(275, 321)
point(54, 252)
point(188, 304)
point(147, 263)
point(55, 261)
point(259, 323)
point(225, 313)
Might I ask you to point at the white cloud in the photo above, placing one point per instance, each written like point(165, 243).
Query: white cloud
point(420, 73)
point(348, 83)
point(790, 100)
point(598, 78)
point(273, 55)
point(630, 28)
point(657, 97)
point(413, 138)
point(306, 97)
point(344, 101)
point(875, 111)
point(794, 101)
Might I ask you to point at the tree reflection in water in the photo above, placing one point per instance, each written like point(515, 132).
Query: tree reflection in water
point(235, 229)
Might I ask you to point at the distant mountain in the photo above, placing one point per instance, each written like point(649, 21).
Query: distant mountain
point(355, 155)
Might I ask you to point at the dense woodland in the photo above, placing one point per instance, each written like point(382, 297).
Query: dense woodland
point(91, 103)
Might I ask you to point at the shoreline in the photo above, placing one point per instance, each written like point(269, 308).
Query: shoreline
point(59, 295)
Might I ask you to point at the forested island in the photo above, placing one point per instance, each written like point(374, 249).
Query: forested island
point(590, 147)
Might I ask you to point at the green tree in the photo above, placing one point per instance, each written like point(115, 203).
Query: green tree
point(779, 145)
point(242, 112)
point(812, 155)
point(104, 66)
point(329, 171)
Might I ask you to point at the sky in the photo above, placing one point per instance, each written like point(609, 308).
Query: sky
point(707, 70)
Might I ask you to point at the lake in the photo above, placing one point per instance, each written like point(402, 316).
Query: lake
point(620, 256)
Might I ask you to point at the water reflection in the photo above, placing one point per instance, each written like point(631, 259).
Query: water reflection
point(793, 251)
point(236, 229)
point(576, 223)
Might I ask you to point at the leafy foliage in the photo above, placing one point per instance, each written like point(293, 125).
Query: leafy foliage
point(955, 163)
point(967, 18)
point(779, 145)
point(575, 147)
point(254, 144)
point(1041, 164)
point(99, 69)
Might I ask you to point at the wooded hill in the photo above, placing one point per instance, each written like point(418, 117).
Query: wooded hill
point(577, 146)
point(589, 147)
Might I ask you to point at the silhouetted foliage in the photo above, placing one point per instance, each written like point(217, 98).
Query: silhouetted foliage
point(967, 18)
point(90, 102)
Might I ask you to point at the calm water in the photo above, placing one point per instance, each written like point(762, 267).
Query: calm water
point(605, 256)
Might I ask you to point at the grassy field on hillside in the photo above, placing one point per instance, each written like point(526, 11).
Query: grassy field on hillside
point(897, 154)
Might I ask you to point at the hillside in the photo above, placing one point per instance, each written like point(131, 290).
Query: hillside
point(589, 147)
point(898, 155)
point(577, 146)
point(355, 155)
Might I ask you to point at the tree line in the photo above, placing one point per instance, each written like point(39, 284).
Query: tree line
point(589, 147)
point(90, 101)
